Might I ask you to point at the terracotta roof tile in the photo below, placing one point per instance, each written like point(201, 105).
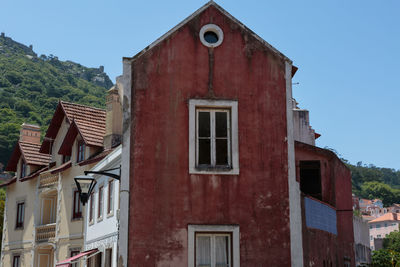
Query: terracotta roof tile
point(387, 217)
point(90, 121)
point(31, 154)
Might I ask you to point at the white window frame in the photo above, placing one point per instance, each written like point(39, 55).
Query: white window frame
point(233, 156)
point(215, 229)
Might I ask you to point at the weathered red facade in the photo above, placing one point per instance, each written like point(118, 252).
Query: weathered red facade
point(165, 198)
point(322, 248)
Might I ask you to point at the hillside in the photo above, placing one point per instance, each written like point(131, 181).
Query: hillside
point(31, 86)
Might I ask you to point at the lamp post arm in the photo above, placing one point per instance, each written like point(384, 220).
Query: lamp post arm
point(106, 173)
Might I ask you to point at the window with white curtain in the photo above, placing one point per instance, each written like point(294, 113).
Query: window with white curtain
point(213, 250)
point(213, 246)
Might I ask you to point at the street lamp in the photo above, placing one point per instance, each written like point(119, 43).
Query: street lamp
point(86, 183)
point(85, 186)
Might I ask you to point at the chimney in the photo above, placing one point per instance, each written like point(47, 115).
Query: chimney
point(30, 133)
point(113, 134)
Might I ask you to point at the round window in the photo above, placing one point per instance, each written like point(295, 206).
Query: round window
point(211, 35)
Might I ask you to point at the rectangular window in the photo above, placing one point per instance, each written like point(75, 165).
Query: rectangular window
point(310, 179)
point(213, 137)
point(77, 209)
point(213, 250)
point(378, 226)
point(108, 260)
point(23, 169)
point(100, 203)
point(17, 261)
point(110, 201)
point(91, 208)
point(20, 215)
point(213, 246)
point(81, 151)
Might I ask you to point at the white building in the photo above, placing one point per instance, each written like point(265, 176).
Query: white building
point(101, 218)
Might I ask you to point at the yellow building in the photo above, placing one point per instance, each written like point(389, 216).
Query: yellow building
point(43, 219)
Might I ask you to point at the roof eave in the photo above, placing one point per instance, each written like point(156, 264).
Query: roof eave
point(197, 12)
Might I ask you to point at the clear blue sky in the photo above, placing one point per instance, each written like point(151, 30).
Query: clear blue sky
point(348, 54)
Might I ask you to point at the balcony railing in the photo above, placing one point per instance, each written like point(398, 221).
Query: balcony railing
point(48, 179)
point(45, 232)
point(320, 215)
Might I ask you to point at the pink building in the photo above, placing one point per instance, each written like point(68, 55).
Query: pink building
point(382, 226)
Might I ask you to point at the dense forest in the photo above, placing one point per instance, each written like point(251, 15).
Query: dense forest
point(370, 181)
point(31, 86)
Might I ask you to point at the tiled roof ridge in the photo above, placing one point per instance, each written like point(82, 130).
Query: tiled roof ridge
point(81, 105)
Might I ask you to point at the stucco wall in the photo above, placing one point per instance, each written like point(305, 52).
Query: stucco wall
point(164, 197)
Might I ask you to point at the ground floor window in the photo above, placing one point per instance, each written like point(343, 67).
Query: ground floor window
point(108, 260)
point(213, 246)
point(213, 250)
point(16, 261)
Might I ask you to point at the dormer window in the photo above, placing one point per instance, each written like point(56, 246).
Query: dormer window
point(23, 169)
point(81, 151)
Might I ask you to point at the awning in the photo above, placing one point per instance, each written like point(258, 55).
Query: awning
point(67, 262)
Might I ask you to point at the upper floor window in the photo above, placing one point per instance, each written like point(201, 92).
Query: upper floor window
point(213, 137)
point(100, 204)
point(310, 178)
point(91, 208)
point(20, 215)
point(77, 209)
point(110, 201)
point(81, 151)
point(23, 169)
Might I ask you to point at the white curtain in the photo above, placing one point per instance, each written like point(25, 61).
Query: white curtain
point(203, 251)
point(221, 251)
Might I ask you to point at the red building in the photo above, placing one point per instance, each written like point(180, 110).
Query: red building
point(209, 143)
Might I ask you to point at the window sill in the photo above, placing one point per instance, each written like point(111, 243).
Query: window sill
point(19, 228)
point(76, 219)
point(99, 219)
point(91, 222)
point(110, 214)
point(214, 170)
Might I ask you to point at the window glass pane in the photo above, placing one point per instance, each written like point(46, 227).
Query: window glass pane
point(221, 151)
point(221, 251)
point(204, 124)
point(221, 124)
point(204, 151)
point(203, 251)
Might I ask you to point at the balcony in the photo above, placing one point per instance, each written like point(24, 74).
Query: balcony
point(45, 232)
point(320, 215)
point(48, 180)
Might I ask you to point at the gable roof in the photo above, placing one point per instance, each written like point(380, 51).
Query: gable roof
point(390, 216)
point(30, 153)
point(90, 121)
point(198, 12)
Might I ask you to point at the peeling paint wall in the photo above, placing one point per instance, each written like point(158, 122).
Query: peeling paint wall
point(164, 197)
